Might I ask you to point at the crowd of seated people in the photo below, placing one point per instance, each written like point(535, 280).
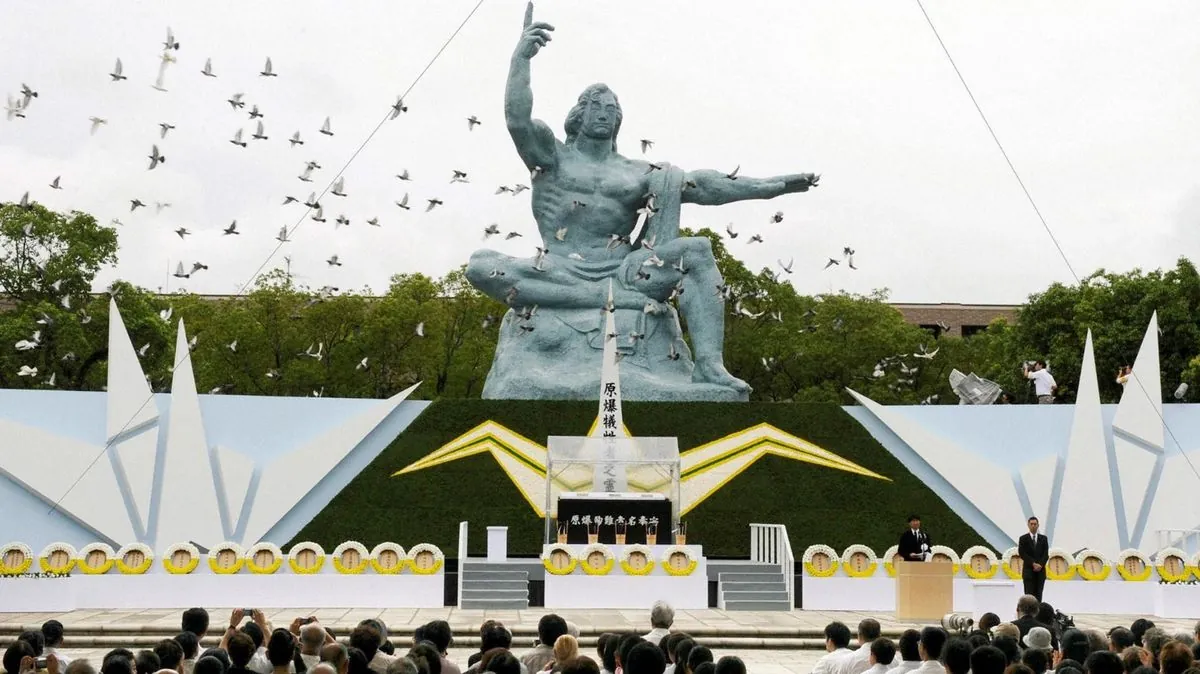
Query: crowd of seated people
point(1034, 643)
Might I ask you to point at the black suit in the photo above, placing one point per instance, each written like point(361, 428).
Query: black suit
point(1033, 552)
point(911, 545)
point(1028, 622)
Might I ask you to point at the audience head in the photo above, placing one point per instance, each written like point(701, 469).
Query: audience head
point(987, 621)
point(495, 635)
point(255, 633)
point(1010, 647)
point(190, 644)
point(625, 644)
point(909, 646)
point(1036, 660)
point(1107, 662)
point(837, 635)
point(366, 639)
point(80, 666)
point(1139, 628)
point(698, 656)
point(507, 663)
point(402, 666)
point(485, 660)
point(1074, 645)
point(359, 664)
point(1018, 668)
point(730, 664)
point(312, 636)
point(1039, 638)
point(120, 664)
point(1006, 630)
point(1144, 669)
point(147, 662)
point(281, 647)
point(645, 658)
point(195, 620)
point(241, 648)
point(35, 639)
point(662, 616)
point(323, 668)
point(565, 648)
point(868, 630)
point(978, 639)
point(1027, 605)
point(883, 651)
point(1120, 638)
point(169, 653)
point(1133, 657)
point(1174, 658)
point(1096, 640)
point(580, 665)
point(117, 653)
point(988, 660)
point(418, 635)
point(221, 655)
point(1045, 614)
point(427, 657)
point(608, 656)
point(956, 656)
point(438, 633)
point(933, 640)
point(706, 668)
point(550, 628)
point(1153, 641)
point(52, 633)
point(672, 642)
point(208, 665)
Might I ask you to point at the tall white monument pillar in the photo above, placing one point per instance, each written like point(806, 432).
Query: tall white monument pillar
point(609, 475)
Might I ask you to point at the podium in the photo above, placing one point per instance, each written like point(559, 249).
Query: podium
point(924, 590)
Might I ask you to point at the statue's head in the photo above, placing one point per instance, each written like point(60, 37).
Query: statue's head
point(597, 114)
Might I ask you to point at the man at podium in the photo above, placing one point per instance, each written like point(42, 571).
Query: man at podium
point(914, 543)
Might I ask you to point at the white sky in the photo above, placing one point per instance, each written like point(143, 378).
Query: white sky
point(1096, 102)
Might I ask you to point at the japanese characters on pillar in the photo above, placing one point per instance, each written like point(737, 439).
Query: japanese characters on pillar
point(609, 475)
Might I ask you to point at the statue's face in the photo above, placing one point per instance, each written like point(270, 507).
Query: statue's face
point(600, 116)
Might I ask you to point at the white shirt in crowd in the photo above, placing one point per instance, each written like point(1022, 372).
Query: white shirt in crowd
point(930, 667)
point(310, 661)
point(856, 662)
point(655, 635)
point(877, 669)
point(380, 662)
point(903, 666)
point(828, 662)
point(63, 660)
point(1043, 382)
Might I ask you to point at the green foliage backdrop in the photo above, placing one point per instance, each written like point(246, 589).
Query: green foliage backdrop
point(818, 505)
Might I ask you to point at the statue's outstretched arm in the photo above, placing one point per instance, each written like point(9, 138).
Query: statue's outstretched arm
point(713, 188)
point(534, 140)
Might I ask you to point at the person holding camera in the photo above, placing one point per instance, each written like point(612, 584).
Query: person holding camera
point(1043, 383)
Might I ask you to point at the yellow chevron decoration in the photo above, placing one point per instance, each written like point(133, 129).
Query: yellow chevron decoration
point(704, 470)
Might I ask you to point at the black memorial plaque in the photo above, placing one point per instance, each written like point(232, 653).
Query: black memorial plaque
point(636, 513)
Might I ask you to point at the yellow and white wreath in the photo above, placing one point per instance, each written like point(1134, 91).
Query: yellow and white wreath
point(811, 554)
point(46, 559)
point(214, 556)
point(850, 557)
point(1195, 565)
point(101, 567)
point(419, 550)
point(364, 557)
point(1164, 572)
point(306, 547)
point(977, 551)
point(627, 555)
point(888, 564)
point(670, 554)
point(270, 567)
point(396, 551)
point(1006, 563)
point(559, 550)
point(137, 568)
point(1131, 554)
point(591, 568)
point(948, 553)
point(193, 559)
point(1084, 563)
point(13, 549)
point(1069, 569)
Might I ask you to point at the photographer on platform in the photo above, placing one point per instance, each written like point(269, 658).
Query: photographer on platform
point(1043, 383)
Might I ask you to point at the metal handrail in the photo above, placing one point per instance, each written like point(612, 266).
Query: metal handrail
point(770, 544)
point(1178, 538)
point(462, 559)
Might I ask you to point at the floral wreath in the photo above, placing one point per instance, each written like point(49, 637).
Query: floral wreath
point(1163, 572)
point(226, 546)
point(1088, 574)
point(993, 562)
point(48, 551)
point(364, 557)
point(888, 555)
point(306, 546)
point(272, 566)
point(1195, 565)
point(872, 563)
point(550, 568)
point(949, 552)
point(103, 567)
point(1066, 556)
point(1147, 567)
point(168, 559)
point(670, 552)
point(147, 559)
point(378, 551)
point(811, 552)
point(586, 564)
point(438, 558)
point(1006, 563)
point(628, 552)
point(26, 558)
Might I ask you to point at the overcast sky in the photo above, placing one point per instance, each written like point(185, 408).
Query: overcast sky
point(1096, 102)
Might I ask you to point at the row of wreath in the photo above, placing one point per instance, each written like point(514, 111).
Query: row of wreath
point(636, 560)
point(980, 562)
point(225, 558)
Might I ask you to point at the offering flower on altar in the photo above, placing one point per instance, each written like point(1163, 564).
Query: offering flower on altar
point(620, 531)
point(562, 532)
point(681, 534)
point(593, 530)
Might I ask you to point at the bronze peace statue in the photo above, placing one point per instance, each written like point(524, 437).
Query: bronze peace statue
point(588, 200)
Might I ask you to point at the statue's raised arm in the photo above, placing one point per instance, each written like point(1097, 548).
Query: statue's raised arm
point(534, 140)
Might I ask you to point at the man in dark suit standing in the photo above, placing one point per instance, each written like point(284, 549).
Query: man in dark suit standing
point(1034, 550)
point(914, 543)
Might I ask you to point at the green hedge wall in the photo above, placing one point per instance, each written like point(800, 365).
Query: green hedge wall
point(818, 505)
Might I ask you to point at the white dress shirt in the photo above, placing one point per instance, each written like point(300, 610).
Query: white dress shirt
point(310, 661)
point(655, 635)
point(857, 662)
point(930, 667)
point(904, 666)
point(1043, 382)
point(380, 662)
point(63, 660)
point(877, 669)
point(829, 662)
